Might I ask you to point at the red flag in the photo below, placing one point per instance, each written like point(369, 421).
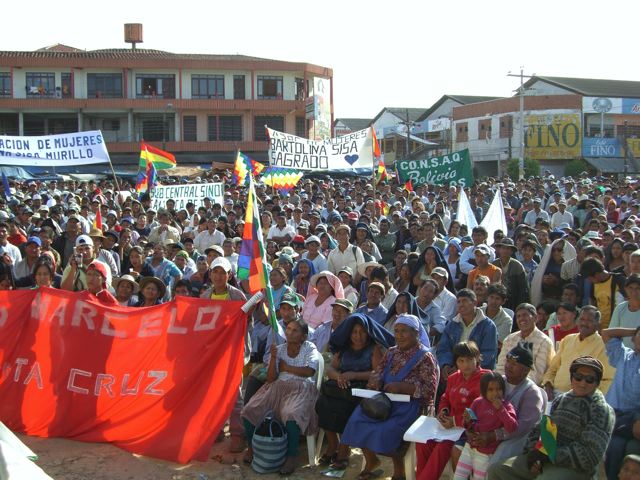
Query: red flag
point(376, 146)
point(97, 221)
point(157, 381)
point(408, 186)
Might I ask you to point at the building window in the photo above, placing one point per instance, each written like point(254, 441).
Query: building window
point(301, 127)
point(67, 85)
point(41, 84)
point(299, 88)
point(104, 85)
point(156, 85)
point(189, 128)
point(269, 87)
point(506, 126)
point(238, 87)
point(230, 128)
point(212, 128)
point(462, 132)
point(207, 86)
point(5, 84)
point(484, 129)
point(225, 128)
point(273, 122)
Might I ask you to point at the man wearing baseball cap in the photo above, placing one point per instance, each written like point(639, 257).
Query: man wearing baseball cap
point(341, 308)
point(482, 255)
point(312, 244)
point(74, 276)
point(445, 299)
point(23, 269)
point(96, 277)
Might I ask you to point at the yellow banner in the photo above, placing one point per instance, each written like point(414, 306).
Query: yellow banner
point(553, 136)
point(634, 146)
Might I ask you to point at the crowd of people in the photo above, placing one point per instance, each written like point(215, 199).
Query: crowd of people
point(485, 330)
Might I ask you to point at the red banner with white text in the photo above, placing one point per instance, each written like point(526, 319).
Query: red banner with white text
point(157, 381)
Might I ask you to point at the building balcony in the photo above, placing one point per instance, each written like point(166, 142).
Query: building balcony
point(179, 147)
point(150, 104)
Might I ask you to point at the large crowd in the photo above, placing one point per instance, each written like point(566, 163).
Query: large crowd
point(485, 330)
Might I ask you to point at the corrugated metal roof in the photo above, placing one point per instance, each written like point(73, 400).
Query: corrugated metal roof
point(461, 99)
point(593, 87)
point(355, 123)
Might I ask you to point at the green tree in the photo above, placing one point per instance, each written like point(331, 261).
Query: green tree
point(531, 168)
point(577, 166)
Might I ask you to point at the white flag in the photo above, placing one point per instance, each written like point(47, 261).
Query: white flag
point(465, 215)
point(495, 219)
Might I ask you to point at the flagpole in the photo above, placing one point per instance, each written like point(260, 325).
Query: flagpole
point(115, 179)
point(373, 171)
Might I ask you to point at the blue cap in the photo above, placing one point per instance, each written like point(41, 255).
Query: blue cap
point(35, 240)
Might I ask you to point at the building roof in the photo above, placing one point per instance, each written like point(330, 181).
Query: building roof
point(612, 165)
point(59, 47)
point(63, 51)
point(354, 124)
point(401, 113)
point(461, 99)
point(62, 55)
point(592, 87)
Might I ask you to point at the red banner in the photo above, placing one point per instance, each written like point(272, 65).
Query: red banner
point(157, 381)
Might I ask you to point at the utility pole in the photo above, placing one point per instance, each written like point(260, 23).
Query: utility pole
point(408, 123)
point(522, 142)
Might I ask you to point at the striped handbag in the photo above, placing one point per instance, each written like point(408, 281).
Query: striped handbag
point(269, 445)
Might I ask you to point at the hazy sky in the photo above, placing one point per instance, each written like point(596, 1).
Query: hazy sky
point(384, 54)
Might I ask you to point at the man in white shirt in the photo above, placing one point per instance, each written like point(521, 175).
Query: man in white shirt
point(537, 212)
point(208, 237)
point(444, 299)
point(7, 248)
point(562, 216)
point(345, 254)
point(281, 233)
point(164, 233)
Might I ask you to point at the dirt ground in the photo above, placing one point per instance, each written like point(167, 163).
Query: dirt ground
point(69, 460)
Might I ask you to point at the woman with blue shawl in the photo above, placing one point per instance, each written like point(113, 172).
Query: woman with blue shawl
point(410, 369)
point(404, 303)
point(302, 273)
point(431, 258)
point(357, 346)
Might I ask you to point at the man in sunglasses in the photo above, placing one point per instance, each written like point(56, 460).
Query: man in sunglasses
point(584, 421)
point(587, 342)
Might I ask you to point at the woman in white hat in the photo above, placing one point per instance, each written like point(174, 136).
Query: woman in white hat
point(126, 289)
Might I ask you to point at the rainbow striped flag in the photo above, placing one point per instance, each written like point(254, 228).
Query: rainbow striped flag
point(160, 159)
point(548, 442)
point(281, 178)
point(141, 181)
point(245, 164)
point(252, 260)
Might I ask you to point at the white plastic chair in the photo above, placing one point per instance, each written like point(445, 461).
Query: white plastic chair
point(311, 439)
